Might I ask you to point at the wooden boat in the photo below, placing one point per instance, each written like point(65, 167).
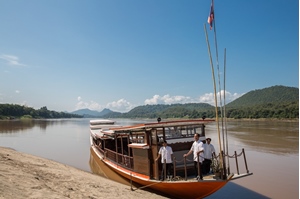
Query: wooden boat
point(131, 152)
point(97, 126)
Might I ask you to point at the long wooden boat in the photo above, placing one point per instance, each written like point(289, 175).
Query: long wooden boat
point(131, 152)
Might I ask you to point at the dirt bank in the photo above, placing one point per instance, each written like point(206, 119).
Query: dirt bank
point(26, 176)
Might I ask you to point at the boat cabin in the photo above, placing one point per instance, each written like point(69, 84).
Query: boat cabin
point(136, 147)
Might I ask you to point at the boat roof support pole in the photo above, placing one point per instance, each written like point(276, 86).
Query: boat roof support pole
point(122, 149)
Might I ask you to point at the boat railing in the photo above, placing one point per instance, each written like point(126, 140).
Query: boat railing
point(179, 165)
point(185, 164)
point(100, 149)
point(118, 158)
point(235, 157)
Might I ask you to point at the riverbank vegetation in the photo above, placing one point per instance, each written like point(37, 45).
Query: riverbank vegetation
point(273, 111)
point(12, 111)
point(276, 102)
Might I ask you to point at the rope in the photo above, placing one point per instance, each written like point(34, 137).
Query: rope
point(227, 155)
point(189, 160)
point(146, 186)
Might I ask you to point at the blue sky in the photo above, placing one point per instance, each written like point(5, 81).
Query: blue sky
point(118, 54)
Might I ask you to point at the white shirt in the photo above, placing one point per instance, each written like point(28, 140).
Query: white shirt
point(208, 150)
point(197, 146)
point(165, 153)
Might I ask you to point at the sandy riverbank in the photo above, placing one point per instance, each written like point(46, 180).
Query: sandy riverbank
point(26, 176)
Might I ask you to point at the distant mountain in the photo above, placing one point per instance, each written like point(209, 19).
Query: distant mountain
point(274, 94)
point(90, 113)
point(272, 102)
point(190, 110)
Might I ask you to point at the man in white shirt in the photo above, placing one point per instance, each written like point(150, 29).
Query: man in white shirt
point(208, 150)
point(166, 154)
point(197, 149)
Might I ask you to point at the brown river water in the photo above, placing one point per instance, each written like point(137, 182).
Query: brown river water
point(271, 147)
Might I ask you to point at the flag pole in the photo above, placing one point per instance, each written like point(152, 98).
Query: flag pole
point(225, 118)
point(219, 79)
point(215, 92)
point(211, 21)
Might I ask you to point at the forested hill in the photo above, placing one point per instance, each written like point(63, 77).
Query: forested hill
point(274, 95)
point(170, 111)
point(273, 102)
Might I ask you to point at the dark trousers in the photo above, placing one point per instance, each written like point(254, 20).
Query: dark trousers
point(206, 166)
point(168, 169)
point(196, 169)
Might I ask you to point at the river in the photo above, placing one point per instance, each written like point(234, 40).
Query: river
point(271, 147)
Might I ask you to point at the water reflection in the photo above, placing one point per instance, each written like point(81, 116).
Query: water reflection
point(20, 125)
point(15, 126)
point(268, 136)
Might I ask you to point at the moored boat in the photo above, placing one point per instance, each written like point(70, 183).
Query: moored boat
point(97, 126)
point(131, 152)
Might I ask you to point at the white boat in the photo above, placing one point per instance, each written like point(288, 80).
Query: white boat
point(101, 122)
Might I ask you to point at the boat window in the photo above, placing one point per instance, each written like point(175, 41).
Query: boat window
point(153, 137)
point(189, 131)
point(160, 134)
point(137, 137)
point(172, 132)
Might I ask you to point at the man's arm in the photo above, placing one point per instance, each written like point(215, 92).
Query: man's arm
point(187, 154)
point(157, 157)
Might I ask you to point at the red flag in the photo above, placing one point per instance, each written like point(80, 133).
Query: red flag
point(211, 15)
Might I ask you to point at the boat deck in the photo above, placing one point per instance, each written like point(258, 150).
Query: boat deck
point(208, 177)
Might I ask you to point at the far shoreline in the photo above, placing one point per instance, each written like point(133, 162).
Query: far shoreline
point(228, 119)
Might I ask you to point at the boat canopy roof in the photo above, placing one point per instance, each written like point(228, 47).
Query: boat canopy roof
point(161, 125)
point(101, 122)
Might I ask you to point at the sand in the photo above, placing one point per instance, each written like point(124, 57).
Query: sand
point(27, 176)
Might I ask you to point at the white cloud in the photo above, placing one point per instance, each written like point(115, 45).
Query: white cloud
point(11, 60)
point(90, 105)
point(167, 99)
point(17, 91)
point(206, 98)
point(210, 99)
point(121, 105)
